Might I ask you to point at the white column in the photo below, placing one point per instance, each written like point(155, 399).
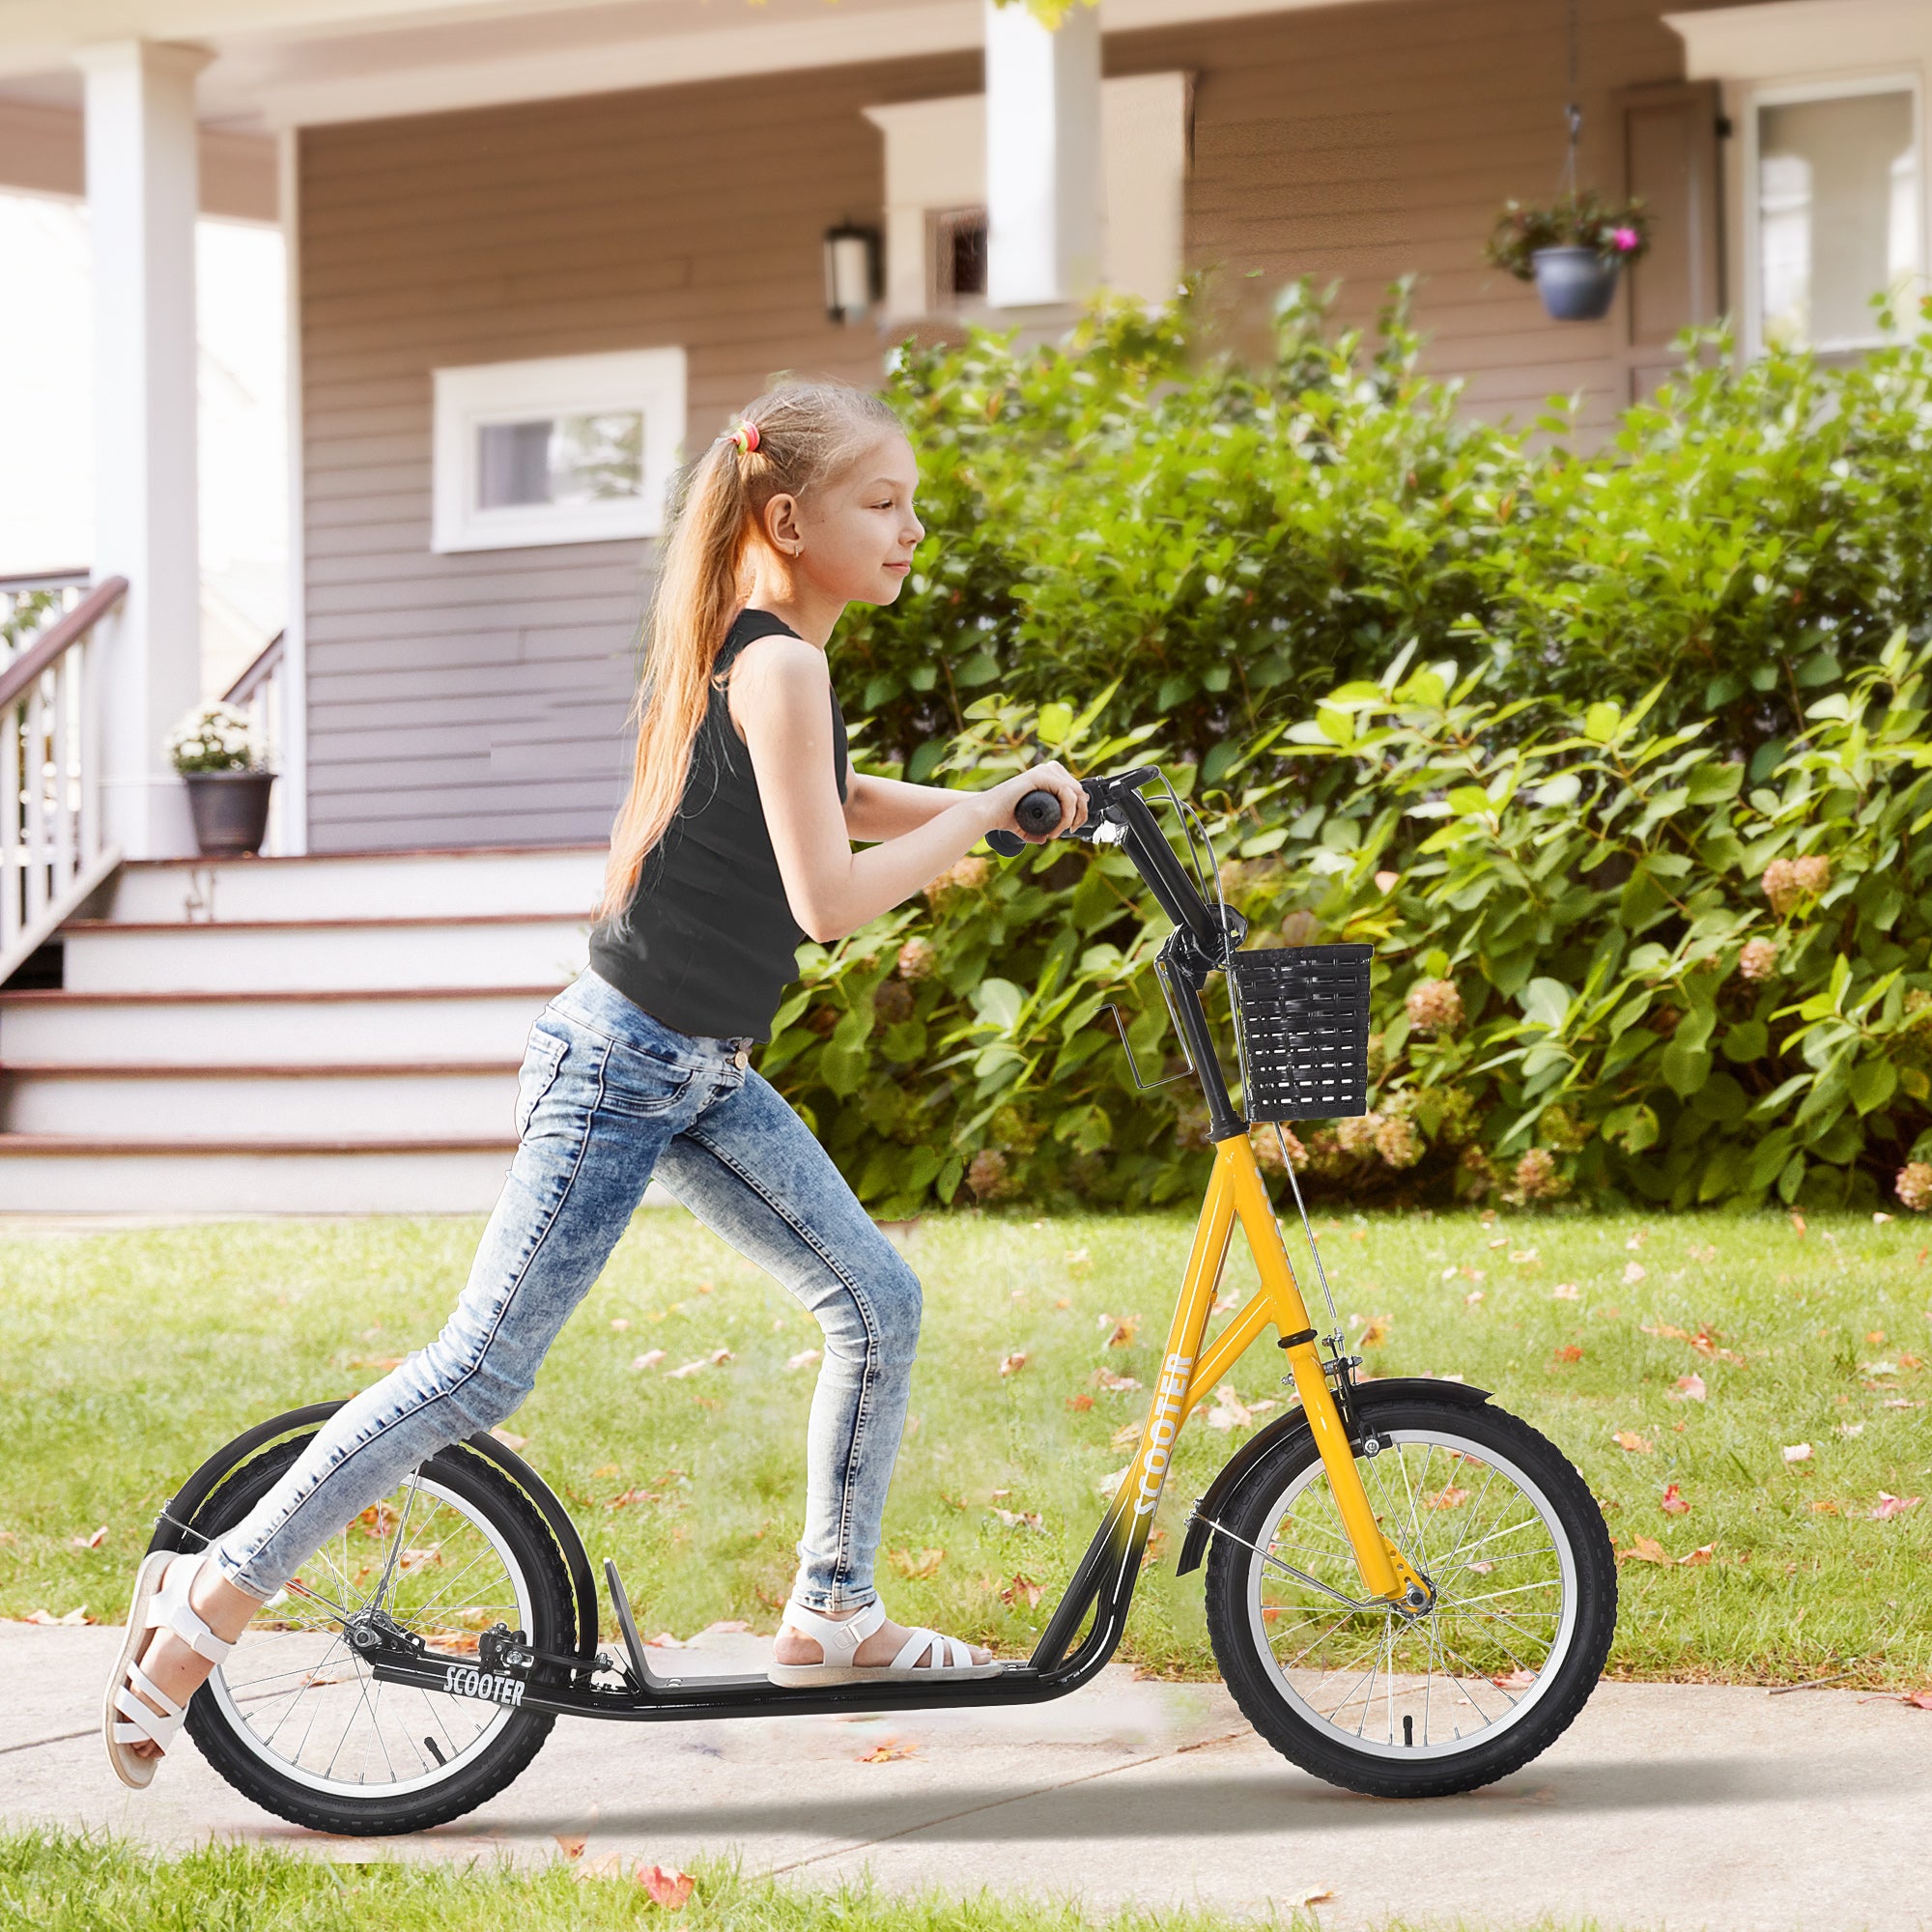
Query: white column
point(1042, 155)
point(142, 201)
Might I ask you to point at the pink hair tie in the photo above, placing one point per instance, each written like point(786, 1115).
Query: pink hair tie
point(746, 436)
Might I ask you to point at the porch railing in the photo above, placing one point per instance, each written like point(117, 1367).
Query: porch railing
point(54, 850)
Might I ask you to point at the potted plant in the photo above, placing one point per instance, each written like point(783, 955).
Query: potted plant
point(227, 789)
point(1573, 250)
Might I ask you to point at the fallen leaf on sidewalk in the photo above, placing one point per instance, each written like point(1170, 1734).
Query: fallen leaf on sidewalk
point(730, 1626)
point(1517, 1679)
point(572, 1846)
point(669, 1890)
point(888, 1751)
point(1320, 1896)
point(1919, 1700)
point(663, 1640)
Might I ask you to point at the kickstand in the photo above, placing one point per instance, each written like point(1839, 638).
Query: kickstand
point(641, 1673)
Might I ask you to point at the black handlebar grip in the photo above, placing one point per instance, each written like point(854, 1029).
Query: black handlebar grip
point(1039, 812)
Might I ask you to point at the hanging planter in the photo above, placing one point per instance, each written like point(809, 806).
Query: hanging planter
point(1574, 250)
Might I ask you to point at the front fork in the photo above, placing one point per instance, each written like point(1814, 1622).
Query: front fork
point(1236, 1191)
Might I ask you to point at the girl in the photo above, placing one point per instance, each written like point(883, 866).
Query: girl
point(733, 843)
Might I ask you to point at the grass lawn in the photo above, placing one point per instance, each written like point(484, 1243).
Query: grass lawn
point(126, 1357)
point(58, 1883)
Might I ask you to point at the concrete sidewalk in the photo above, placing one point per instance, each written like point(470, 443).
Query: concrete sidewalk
point(1679, 1804)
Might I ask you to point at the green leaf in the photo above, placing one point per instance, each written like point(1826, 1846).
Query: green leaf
point(1054, 723)
point(1873, 1083)
point(981, 668)
point(1712, 782)
point(1686, 1068)
point(1547, 1002)
point(1746, 1042)
point(998, 1002)
point(1600, 722)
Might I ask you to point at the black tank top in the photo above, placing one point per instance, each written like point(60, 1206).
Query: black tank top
point(708, 943)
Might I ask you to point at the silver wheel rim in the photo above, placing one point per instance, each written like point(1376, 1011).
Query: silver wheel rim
point(302, 1702)
point(1466, 1671)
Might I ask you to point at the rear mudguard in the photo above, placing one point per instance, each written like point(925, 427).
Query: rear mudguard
point(1368, 1396)
point(172, 1527)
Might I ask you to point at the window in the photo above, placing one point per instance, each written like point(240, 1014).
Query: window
point(565, 450)
point(957, 251)
point(1835, 207)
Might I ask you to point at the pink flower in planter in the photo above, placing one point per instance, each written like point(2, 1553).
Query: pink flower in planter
point(1624, 239)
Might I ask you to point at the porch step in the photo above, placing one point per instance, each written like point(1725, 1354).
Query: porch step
point(342, 954)
point(306, 1028)
point(379, 885)
point(334, 1034)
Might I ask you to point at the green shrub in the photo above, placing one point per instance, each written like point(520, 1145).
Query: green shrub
point(1650, 808)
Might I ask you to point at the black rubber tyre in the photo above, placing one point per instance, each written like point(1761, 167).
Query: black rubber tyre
point(1573, 1594)
point(511, 1738)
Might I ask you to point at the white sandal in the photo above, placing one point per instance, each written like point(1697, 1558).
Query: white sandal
point(160, 1603)
point(924, 1654)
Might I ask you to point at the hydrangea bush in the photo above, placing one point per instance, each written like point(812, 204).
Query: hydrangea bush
point(1619, 758)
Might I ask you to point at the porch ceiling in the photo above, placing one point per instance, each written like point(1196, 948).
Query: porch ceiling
point(281, 63)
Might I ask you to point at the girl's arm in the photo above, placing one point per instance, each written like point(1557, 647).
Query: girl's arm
point(877, 808)
point(780, 694)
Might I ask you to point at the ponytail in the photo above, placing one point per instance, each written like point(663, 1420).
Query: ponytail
point(792, 437)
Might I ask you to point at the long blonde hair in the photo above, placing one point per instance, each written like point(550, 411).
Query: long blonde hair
point(806, 432)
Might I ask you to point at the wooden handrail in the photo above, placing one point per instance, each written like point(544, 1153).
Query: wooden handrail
point(262, 667)
point(19, 675)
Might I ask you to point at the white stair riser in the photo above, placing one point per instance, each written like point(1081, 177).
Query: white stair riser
point(359, 888)
point(321, 1107)
point(274, 1032)
point(248, 1183)
point(322, 958)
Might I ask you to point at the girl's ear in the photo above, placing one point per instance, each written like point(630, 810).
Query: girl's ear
point(781, 523)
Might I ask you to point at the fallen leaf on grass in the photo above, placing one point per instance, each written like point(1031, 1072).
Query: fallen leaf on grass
point(1891, 1506)
point(1797, 1226)
point(427, 1556)
point(1124, 1437)
point(1080, 1402)
point(1376, 1333)
point(1124, 1331)
point(1825, 1507)
point(669, 1890)
point(1701, 1554)
point(1230, 1412)
point(93, 1540)
point(620, 1324)
point(1797, 1452)
point(1566, 1290)
point(1079, 1261)
point(888, 1751)
point(1012, 1365)
point(1629, 1440)
point(1021, 1589)
point(649, 1359)
point(1644, 1549)
point(1106, 1378)
point(1020, 1518)
point(1108, 1485)
point(1690, 1388)
point(717, 1359)
point(1672, 1502)
point(913, 1563)
point(1448, 1497)
point(1569, 1353)
point(1633, 1272)
point(376, 1361)
point(380, 1519)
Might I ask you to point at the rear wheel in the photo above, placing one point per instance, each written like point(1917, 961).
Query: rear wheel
point(1514, 1548)
point(295, 1720)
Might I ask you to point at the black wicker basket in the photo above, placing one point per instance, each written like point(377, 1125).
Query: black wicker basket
point(1302, 1015)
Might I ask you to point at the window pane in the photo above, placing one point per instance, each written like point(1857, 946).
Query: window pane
point(1837, 213)
point(571, 459)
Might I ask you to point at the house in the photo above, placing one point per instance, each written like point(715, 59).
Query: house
point(535, 248)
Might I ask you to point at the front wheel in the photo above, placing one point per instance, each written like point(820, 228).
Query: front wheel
point(1524, 1607)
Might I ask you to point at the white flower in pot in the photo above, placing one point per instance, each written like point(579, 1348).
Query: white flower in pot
point(213, 748)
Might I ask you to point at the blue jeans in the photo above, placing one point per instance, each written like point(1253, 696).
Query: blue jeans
point(607, 1095)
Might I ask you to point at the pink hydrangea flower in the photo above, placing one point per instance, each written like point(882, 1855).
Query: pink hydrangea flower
point(1625, 238)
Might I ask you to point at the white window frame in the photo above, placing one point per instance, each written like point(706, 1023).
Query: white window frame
point(1788, 93)
point(472, 397)
point(935, 163)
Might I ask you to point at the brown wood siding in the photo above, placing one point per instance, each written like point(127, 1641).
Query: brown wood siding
point(480, 698)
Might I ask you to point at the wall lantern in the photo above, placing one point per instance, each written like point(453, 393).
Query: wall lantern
point(852, 282)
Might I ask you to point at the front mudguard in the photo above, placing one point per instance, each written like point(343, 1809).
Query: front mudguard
point(174, 1526)
point(1368, 1396)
